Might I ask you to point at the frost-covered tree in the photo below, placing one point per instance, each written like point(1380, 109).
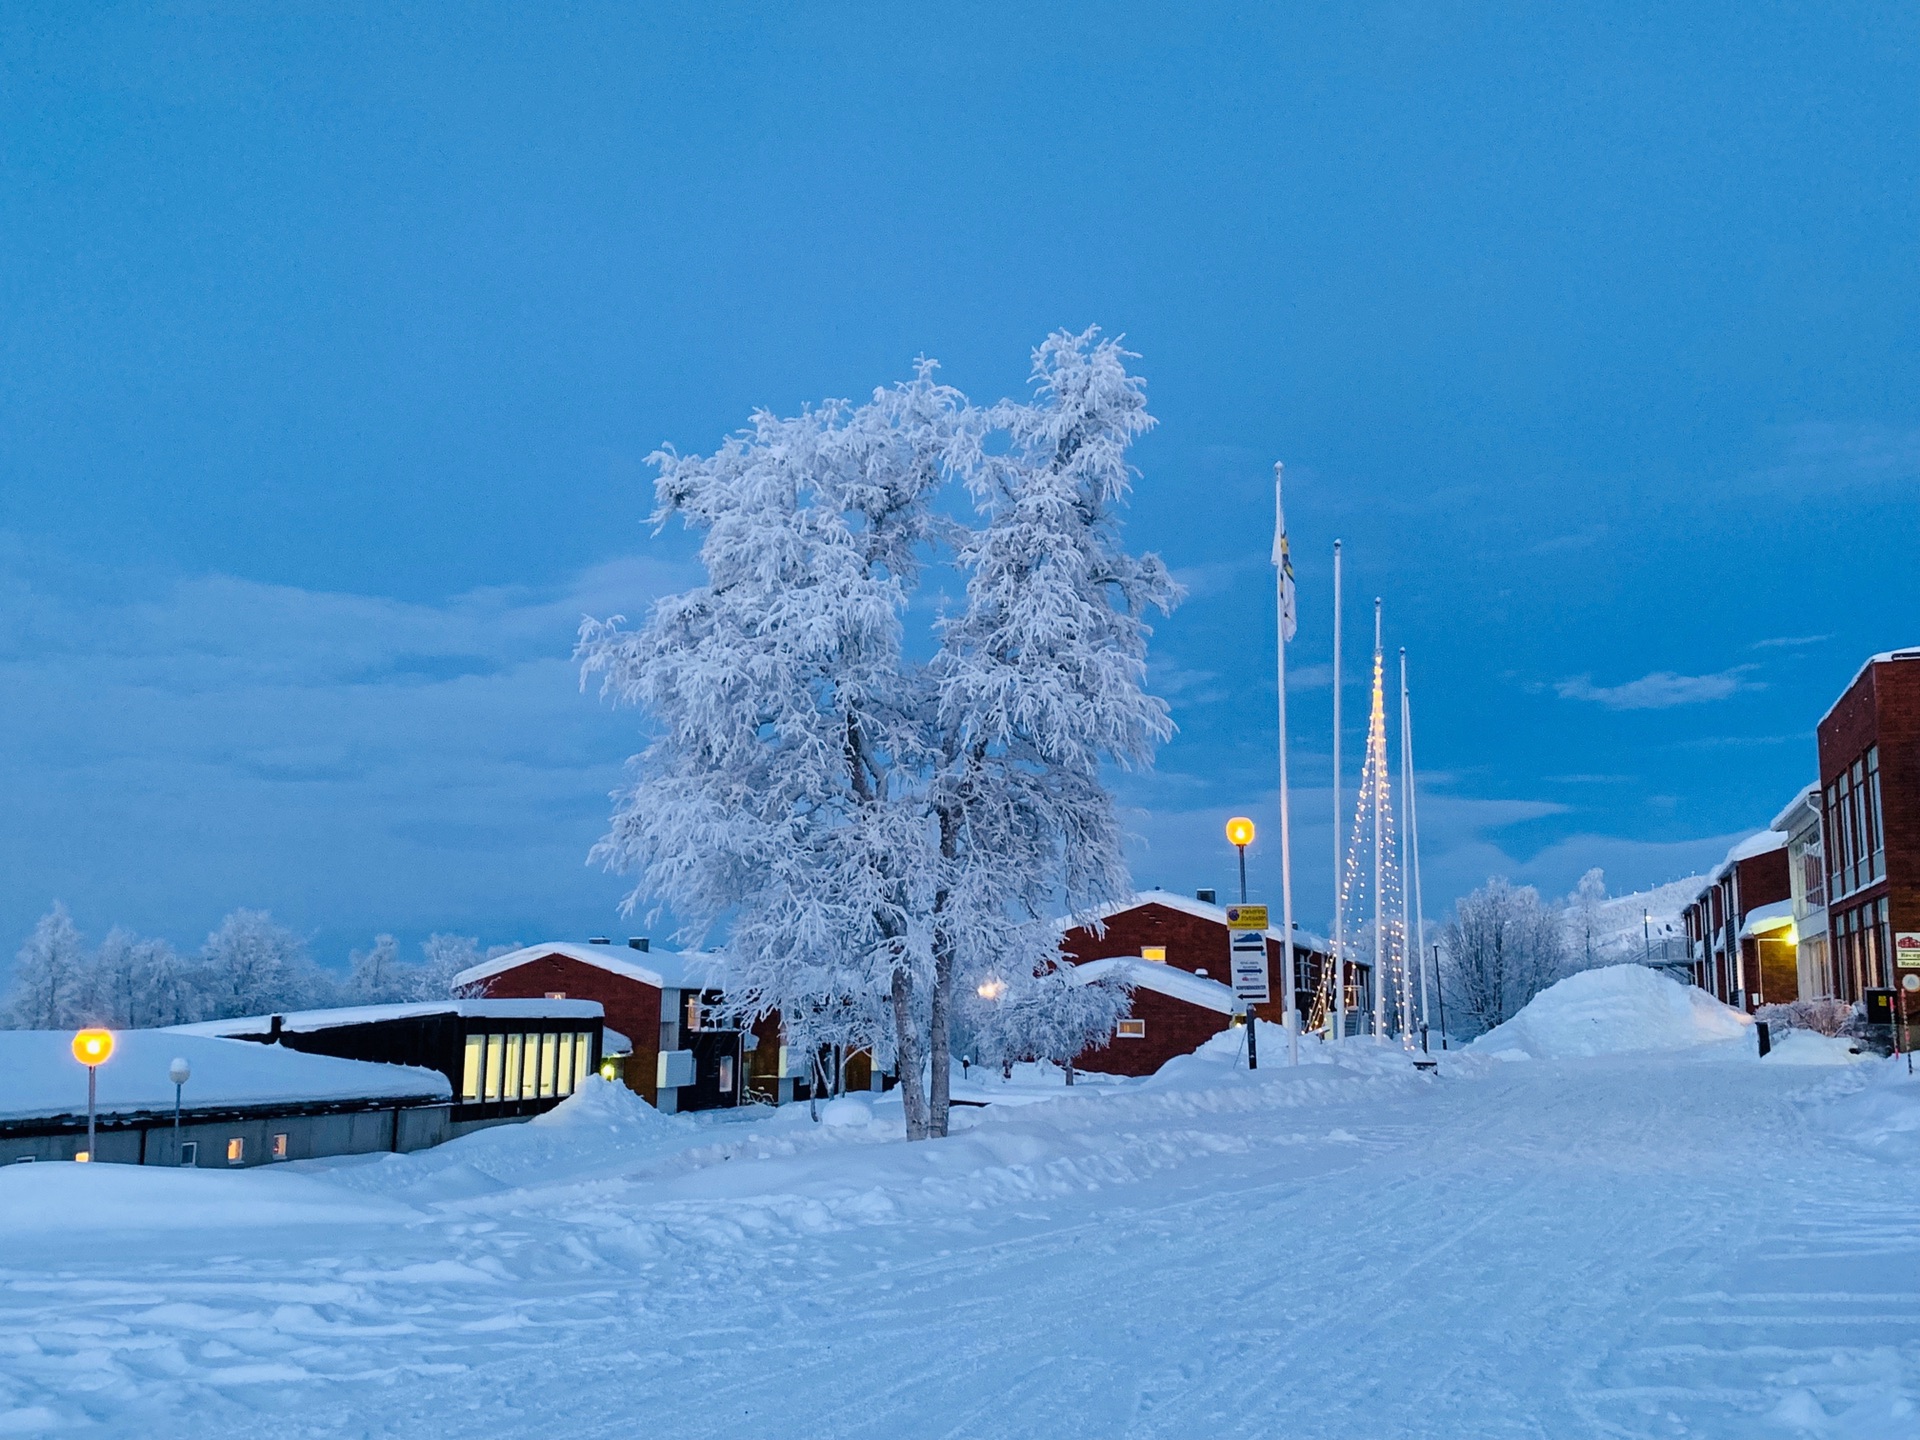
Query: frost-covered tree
point(444, 956)
point(1583, 913)
point(376, 975)
point(1501, 947)
point(49, 975)
point(1053, 1015)
point(874, 827)
point(250, 965)
point(136, 983)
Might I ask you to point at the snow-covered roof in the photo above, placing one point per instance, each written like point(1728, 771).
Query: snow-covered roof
point(612, 1042)
point(40, 1079)
point(1885, 657)
point(1188, 905)
point(305, 1021)
point(662, 969)
point(1758, 843)
point(1808, 798)
point(1765, 919)
point(1169, 980)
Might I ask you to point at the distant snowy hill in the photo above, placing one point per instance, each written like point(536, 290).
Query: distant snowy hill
point(1617, 928)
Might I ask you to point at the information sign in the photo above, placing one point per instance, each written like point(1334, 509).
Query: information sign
point(1249, 966)
point(1254, 917)
point(1906, 949)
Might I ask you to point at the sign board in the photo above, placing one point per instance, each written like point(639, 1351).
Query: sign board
point(1248, 957)
point(1906, 949)
point(1910, 982)
point(1254, 917)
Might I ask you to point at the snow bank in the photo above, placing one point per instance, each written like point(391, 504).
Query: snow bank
point(63, 1199)
point(1612, 1011)
point(1884, 1117)
point(1806, 1047)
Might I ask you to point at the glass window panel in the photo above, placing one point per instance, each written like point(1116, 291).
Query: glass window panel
point(565, 1076)
point(496, 1049)
point(582, 1053)
point(510, 1080)
point(530, 1069)
point(470, 1072)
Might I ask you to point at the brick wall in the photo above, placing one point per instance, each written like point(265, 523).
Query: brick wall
point(1882, 708)
point(632, 1008)
point(1173, 1028)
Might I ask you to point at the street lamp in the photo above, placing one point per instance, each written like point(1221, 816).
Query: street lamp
point(92, 1048)
point(1646, 936)
point(179, 1072)
point(1240, 835)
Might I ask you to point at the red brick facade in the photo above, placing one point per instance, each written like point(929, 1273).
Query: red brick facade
point(632, 1007)
point(1174, 1027)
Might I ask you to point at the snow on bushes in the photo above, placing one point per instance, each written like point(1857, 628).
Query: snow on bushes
point(1612, 1011)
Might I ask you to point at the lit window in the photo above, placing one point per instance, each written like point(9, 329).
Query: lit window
point(236, 1151)
point(511, 1088)
point(82, 1157)
point(582, 1053)
point(1155, 953)
point(548, 1050)
point(496, 1048)
point(726, 1074)
point(565, 1076)
point(470, 1075)
point(279, 1147)
point(530, 1069)
point(1133, 1030)
point(556, 994)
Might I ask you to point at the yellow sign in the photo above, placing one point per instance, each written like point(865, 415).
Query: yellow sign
point(1246, 917)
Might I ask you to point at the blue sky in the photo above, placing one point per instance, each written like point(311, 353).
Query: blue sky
point(333, 339)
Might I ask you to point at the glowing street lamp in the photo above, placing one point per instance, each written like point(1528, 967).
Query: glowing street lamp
point(92, 1048)
point(1240, 835)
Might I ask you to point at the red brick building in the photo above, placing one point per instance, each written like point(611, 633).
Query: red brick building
point(1870, 799)
point(1741, 964)
point(1159, 928)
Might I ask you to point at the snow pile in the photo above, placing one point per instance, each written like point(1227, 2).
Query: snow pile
point(1884, 1117)
point(1808, 1047)
point(61, 1200)
point(1612, 1011)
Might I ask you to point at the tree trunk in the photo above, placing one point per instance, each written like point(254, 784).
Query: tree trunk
point(906, 1052)
point(1069, 1072)
point(940, 1041)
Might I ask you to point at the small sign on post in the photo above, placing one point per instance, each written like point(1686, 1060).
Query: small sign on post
point(1906, 949)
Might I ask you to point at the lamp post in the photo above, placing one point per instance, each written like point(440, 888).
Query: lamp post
point(1240, 835)
point(179, 1072)
point(92, 1048)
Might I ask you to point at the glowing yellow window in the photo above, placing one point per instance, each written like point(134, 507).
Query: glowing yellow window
point(236, 1151)
point(511, 1084)
point(279, 1147)
point(470, 1072)
point(1155, 953)
point(582, 1052)
point(496, 1049)
point(530, 1069)
point(1132, 1030)
point(565, 1075)
point(549, 1052)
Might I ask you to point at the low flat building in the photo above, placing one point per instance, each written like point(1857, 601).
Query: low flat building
point(503, 1060)
point(242, 1104)
point(666, 1003)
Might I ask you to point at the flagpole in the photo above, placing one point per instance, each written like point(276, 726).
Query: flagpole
point(1413, 835)
point(1337, 960)
point(1380, 966)
point(1406, 856)
point(1284, 614)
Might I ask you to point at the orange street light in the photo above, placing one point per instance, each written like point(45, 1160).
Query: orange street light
point(92, 1048)
point(1240, 835)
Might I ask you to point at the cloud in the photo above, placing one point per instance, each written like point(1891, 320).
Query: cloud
point(1788, 642)
point(1661, 690)
point(179, 745)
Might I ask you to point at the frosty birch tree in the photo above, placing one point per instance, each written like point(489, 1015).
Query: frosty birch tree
point(49, 974)
point(1052, 1015)
point(1586, 900)
point(251, 965)
point(874, 829)
point(1502, 947)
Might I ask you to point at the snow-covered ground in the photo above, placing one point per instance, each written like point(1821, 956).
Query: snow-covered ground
point(1685, 1242)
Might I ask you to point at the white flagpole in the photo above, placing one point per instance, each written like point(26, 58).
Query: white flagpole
point(1406, 875)
point(1337, 960)
point(1413, 835)
point(1380, 966)
point(1282, 616)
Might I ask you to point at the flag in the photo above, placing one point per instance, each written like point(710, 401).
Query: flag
point(1283, 561)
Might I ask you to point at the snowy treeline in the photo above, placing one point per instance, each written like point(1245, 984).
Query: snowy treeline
point(884, 820)
point(1504, 944)
point(248, 966)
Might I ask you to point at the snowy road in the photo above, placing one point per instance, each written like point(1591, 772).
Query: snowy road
point(1637, 1246)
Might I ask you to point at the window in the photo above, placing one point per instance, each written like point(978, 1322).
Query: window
point(496, 1049)
point(549, 1050)
point(190, 1153)
point(692, 1021)
point(565, 1075)
point(470, 1072)
point(1132, 1030)
point(236, 1151)
point(726, 1074)
point(582, 1053)
point(556, 994)
point(510, 1088)
point(279, 1147)
point(530, 1068)
point(1155, 953)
